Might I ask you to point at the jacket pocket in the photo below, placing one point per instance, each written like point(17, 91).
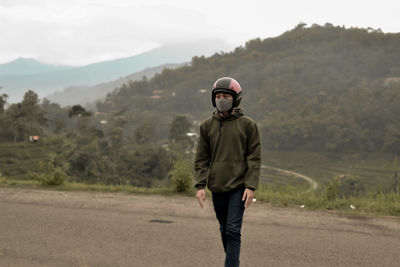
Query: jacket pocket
point(224, 175)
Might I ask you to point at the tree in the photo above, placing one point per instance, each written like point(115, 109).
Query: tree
point(179, 127)
point(15, 118)
point(144, 132)
point(3, 101)
point(25, 118)
point(32, 114)
point(56, 116)
point(78, 111)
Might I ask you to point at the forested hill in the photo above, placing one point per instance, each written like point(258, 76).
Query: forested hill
point(322, 88)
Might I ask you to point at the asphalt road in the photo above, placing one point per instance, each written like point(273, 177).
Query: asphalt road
point(52, 228)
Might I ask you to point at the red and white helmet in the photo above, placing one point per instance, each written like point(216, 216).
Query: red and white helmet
point(230, 86)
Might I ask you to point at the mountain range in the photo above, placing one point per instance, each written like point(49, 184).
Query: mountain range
point(28, 66)
point(22, 74)
point(85, 94)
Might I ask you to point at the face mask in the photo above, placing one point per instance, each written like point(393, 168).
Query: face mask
point(224, 105)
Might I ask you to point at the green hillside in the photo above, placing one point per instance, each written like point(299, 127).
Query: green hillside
point(311, 89)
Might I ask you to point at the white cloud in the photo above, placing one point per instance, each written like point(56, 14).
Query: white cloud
point(84, 31)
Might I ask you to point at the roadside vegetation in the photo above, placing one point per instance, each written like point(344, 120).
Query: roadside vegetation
point(340, 193)
point(379, 203)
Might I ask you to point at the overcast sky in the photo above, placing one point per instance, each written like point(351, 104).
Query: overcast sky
point(78, 32)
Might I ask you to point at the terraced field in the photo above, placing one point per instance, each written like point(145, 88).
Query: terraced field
point(17, 159)
point(374, 169)
point(270, 175)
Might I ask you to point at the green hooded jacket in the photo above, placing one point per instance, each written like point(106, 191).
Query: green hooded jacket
point(228, 153)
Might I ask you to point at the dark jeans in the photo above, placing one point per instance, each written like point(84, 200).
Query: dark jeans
point(229, 209)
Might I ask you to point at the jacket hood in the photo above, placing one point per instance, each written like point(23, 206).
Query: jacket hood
point(237, 112)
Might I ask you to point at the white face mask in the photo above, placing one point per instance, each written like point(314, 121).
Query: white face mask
point(223, 104)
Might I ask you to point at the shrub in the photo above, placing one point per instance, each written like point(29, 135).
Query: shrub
point(2, 179)
point(351, 186)
point(181, 176)
point(332, 190)
point(50, 175)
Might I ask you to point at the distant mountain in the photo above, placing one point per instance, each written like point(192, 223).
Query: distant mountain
point(85, 94)
point(21, 75)
point(27, 66)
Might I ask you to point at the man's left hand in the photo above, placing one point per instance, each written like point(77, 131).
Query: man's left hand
point(248, 197)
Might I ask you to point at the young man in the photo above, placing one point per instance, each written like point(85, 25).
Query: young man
point(228, 161)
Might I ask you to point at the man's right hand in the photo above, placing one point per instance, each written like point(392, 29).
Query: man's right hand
point(201, 197)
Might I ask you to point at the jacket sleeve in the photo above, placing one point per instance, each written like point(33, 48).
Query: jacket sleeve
point(252, 177)
point(202, 159)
